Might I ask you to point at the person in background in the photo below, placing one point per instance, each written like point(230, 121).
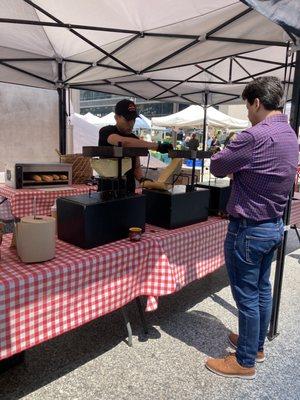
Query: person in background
point(112, 135)
point(180, 135)
point(186, 140)
point(263, 160)
point(214, 142)
point(193, 143)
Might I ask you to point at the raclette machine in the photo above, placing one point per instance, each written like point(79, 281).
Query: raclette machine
point(181, 205)
point(101, 217)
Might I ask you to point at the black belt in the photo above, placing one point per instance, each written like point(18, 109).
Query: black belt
point(253, 221)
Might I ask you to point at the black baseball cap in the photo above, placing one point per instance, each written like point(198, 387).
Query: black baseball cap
point(127, 109)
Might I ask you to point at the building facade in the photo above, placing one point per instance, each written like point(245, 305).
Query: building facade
point(101, 104)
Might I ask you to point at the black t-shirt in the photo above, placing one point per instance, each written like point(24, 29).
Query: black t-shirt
point(193, 144)
point(104, 134)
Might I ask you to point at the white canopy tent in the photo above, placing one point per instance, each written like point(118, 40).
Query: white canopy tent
point(83, 133)
point(91, 118)
point(193, 117)
point(140, 123)
point(177, 53)
point(191, 52)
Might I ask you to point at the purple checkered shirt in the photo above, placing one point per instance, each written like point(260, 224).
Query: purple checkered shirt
point(263, 160)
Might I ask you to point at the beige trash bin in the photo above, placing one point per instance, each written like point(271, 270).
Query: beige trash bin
point(35, 239)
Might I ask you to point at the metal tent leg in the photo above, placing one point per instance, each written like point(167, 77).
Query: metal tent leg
point(295, 123)
point(128, 326)
point(277, 288)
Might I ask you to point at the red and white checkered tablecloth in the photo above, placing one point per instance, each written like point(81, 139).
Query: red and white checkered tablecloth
point(41, 301)
point(21, 200)
point(193, 251)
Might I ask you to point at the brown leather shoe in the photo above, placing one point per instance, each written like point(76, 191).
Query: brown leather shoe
point(233, 339)
point(230, 368)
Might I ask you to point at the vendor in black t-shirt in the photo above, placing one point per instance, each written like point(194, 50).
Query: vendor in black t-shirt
point(125, 115)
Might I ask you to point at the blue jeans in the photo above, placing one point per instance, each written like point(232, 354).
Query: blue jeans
point(249, 249)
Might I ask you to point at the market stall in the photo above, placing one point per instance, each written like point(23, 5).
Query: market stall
point(126, 58)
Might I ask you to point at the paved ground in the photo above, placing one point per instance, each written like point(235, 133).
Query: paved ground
point(94, 362)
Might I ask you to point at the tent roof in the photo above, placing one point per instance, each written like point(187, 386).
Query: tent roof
point(128, 49)
point(193, 117)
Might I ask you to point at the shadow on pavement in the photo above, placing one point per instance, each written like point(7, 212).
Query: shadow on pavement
point(59, 356)
point(201, 330)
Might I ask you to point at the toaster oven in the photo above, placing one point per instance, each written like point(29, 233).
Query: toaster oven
point(24, 176)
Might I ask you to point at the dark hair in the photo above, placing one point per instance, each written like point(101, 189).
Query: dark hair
point(267, 89)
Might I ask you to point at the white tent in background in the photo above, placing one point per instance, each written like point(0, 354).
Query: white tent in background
point(193, 117)
point(91, 118)
point(108, 119)
point(140, 123)
point(86, 128)
point(84, 133)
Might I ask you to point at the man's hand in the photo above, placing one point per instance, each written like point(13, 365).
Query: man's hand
point(164, 147)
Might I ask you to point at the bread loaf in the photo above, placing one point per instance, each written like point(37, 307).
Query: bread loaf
point(63, 177)
point(47, 178)
point(36, 178)
point(55, 177)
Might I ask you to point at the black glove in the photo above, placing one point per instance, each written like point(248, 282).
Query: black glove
point(164, 147)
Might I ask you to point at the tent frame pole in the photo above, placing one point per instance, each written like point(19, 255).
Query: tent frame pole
point(229, 21)
point(204, 130)
point(295, 123)
point(242, 67)
point(62, 111)
point(241, 56)
point(225, 101)
point(102, 58)
point(26, 72)
point(261, 73)
point(187, 79)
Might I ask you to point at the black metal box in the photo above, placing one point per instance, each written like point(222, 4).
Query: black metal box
point(87, 221)
point(172, 210)
point(219, 195)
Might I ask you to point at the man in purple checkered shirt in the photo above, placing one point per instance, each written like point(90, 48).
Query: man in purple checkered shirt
point(263, 161)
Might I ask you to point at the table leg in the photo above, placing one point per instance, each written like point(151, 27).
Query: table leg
point(142, 315)
point(128, 326)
